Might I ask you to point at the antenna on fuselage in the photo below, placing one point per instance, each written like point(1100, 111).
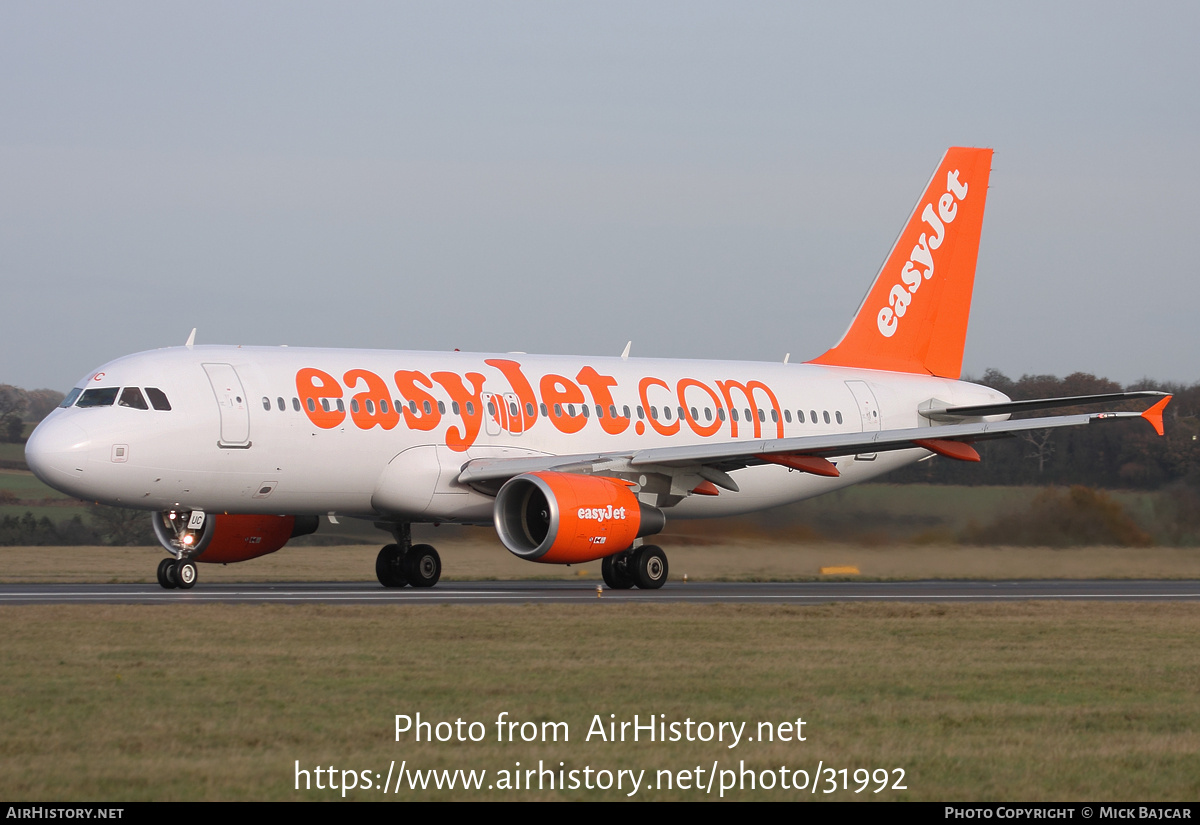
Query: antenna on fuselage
point(191, 339)
point(625, 352)
point(786, 357)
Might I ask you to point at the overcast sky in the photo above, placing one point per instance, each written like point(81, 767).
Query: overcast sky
point(714, 180)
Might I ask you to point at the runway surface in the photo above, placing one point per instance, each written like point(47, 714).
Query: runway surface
point(524, 592)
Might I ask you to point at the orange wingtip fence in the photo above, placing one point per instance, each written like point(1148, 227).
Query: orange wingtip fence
point(1155, 414)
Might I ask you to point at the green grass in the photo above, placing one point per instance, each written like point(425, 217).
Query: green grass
point(25, 485)
point(1046, 701)
point(12, 452)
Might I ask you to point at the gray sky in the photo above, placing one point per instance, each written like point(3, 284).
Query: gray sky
point(711, 180)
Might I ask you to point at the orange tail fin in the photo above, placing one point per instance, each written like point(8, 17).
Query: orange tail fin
point(914, 318)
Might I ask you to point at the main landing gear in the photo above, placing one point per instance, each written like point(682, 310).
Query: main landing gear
point(179, 573)
point(645, 567)
point(404, 563)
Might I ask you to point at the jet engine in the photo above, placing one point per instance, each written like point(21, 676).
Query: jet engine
point(564, 518)
point(226, 538)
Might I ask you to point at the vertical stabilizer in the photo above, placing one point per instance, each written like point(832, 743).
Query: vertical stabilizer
point(914, 318)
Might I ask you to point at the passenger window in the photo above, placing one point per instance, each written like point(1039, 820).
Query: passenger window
point(312, 407)
point(654, 413)
point(545, 413)
point(827, 416)
point(787, 416)
point(599, 411)
point(733, 414)
point(295, 403)
point(383, 406)
point(529, 408)
point(558, 410)
point(453, 406)
point(667, 413)
point(800, 416)
point(641, 412)
point(470, 408)
point(354, 405)
point(813, 413)
point(612, 410)
point(132, 397)
point(442, 407)
point(721, 413)
point(279, 403)
point(749, 417)
point(266, 403)
point(491, 408)
point(707, 414)
point(571, 410)
point(839, 416)
point(512, 409)
point(370, 405)
point(324, 404)
point(583, 408)
point(158, 399)
point(625, 410)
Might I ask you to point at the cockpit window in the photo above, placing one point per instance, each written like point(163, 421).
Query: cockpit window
point(132, 397)
point(158, 398)
point(71, 396)
point(98, 397)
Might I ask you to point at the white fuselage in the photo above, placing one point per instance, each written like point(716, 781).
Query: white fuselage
point(382, 434)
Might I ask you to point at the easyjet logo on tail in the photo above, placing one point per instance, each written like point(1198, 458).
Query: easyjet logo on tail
point(920, 265)
point(914, 317)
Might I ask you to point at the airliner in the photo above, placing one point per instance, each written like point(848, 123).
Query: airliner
point(236, 450)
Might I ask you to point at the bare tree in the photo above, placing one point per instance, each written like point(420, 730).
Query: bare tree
point(1042, 446)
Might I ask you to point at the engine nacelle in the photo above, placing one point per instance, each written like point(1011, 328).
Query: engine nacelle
point(228, 538)
point(564, 518)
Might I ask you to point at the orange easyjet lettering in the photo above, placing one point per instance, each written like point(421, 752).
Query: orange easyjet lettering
point(371, 407)
point(421, 412)
point(315, 388)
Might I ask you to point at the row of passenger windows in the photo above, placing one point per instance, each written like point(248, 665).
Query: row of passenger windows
point(570, 410)
point(106, 396)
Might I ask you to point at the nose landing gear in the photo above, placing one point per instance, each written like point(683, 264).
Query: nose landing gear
point(179, 573)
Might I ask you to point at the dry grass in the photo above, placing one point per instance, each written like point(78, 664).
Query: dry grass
point(1045, 701)
point(757, 560)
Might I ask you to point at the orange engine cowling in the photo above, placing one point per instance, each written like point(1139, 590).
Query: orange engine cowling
point(564, 518)
point(228, 538)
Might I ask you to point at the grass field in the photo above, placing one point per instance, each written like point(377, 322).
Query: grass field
point(1045, 701)
point(1034, 701)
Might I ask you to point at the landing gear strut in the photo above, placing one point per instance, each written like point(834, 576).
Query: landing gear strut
point(645, 567)
point(403, 563)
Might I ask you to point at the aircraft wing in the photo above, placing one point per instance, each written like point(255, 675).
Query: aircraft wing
point(806, 453)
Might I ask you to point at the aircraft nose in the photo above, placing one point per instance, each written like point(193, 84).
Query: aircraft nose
point(56, 451)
